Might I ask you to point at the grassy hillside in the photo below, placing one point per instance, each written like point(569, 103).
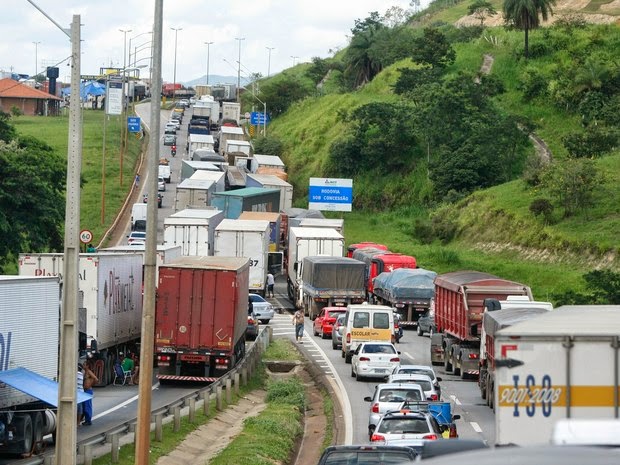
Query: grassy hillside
point(495, 230)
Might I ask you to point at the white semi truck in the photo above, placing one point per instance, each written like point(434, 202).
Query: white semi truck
point(29, 338)
point(249, 239)
point(305, 242)
point(192, 229)
point(561, 364)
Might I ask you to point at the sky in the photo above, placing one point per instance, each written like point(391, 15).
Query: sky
point(297, 30)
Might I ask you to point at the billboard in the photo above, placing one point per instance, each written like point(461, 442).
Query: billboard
point(331, 194)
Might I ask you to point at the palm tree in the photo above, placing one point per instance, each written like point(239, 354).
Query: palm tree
point(526, 15)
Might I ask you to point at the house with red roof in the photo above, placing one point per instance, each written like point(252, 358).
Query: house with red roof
point(29, 100)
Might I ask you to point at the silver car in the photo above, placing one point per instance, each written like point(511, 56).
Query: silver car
point(420, 370)
point(389, 397)
point(337, 332)
point(374, 360)
point(406, 427)
point(263, 310)
point(424, 381)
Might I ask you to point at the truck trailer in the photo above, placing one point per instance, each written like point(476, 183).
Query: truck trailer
point(459, 305)
point(245, 238)
point(409, 292)
point(562, 364)
point(200, 317)
point(252, 199)
point(193, 230)
point(330, 282)
point(304, 242)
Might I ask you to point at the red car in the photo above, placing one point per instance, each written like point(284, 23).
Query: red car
point(324, 323)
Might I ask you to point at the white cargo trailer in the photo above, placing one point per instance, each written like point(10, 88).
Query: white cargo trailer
point(111, 284)
point(334, 223)
point(304, 242)
point(231, 111)
point(194, 193)
point(193, 230)
point(246, 238)
point(29, 344)
point(218, 177)
point(271, 181)
point(200, 141)
point(165, 253)
point(561, 364)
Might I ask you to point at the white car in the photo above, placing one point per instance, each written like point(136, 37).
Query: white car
point(161, 184)
point(406, 428)
point(424, 381)
point(420, 370)
point(390, 397)
point(174, 122)
point(374, 360)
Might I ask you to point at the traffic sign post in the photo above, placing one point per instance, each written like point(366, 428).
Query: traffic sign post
point(330, 194)
point(133, 124)
point(86, 237)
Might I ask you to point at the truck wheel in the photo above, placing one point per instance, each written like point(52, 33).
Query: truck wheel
point(447, 365)
point(23, 429)
point(483, 386)
point(456, 367)
point(419, 331)
point(347, 358)
point(37, 427)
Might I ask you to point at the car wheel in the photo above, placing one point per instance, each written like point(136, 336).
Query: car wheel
point(334, 346)
point(314, 331)
point(419, 331)
point(352, 372)
point(431, 331)
point(264, 321)
point(342, 353)
point(347, 358)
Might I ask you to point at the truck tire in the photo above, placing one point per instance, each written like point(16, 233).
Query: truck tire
point(419, 330)
point(447, 364)
point(456, 365)
point(483, 385)
point(347, 358)
point(37, 433)
point(23, 428)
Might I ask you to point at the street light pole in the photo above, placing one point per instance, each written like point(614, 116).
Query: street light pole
point(174, 85)
point(36, 60)
point(208, 44)
point(124, 125)
point(294, 60)
point(269, 61)
point(239, 70)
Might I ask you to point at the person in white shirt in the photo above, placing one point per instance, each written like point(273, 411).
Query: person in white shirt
point(270, 283)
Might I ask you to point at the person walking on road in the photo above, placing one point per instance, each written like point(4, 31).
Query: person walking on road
point(90, 379)
point(137, 182)
point(270, 283)
point(298, 321)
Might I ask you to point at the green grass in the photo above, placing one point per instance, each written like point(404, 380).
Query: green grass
point(281, 349)
point(54, 131)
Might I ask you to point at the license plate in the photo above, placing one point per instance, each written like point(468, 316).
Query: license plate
point(380, 370)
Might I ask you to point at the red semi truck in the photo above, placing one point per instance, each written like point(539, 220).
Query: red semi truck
point(361, 245)
point(200, 317)
point(459, 307)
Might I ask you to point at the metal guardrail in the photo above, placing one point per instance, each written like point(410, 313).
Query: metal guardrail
point(219, 390)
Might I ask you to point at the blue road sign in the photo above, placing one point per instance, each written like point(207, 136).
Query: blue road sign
point(258, 119)
point(330, 194)
point(133, 124)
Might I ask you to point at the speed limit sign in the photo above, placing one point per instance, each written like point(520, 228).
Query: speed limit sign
point(86, 236)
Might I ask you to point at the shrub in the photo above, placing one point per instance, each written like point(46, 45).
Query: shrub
point(533, 171)
point(594, 142)
point(444, 226)
point(542, 207)
point(15, 111)
point(532, 83)
point(290, 391)
point(423, 231)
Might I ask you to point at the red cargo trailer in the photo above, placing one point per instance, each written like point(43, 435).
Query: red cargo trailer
point(361, 245)
point(201, 317)
point(459, 305)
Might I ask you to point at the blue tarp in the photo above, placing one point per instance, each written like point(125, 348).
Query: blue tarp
point(36, 385)
point(407, 283)
point(87, 88)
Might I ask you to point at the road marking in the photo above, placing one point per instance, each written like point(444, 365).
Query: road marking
point(475, 426)
point(123, 404)
point(409, 355)
point(456, 401)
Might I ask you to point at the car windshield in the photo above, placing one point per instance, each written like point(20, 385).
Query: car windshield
point(399, 395)
point(378, 349)
point(334, 314)
point(256, 298)
point(424, 384)
point(404, 425)
point(416, 371)
point(367, 457)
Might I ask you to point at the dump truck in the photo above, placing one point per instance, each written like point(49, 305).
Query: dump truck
point(409, 291)
point(561, 364)
point(459, 305)
point(200, 318)
point(330, 282)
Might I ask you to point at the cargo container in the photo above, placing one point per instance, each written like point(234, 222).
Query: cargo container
point(254, 199)
point(231, 111)
point(29, 345)
point(305, 242)
point(193, 230)
point(218, 177)
point(111, 288)
point(165, 253)
point(330, 282)
point(409, 292)
point(210, 156)
point(229, 133)
point(269, 181)
point(236, 148)
point(269, 161)
point(245, 238)
point(189, 167)
point(334, 223)
point(561, 364)
point(459, 305)
point(200, 317)
point(274, 226)
point(194, 193)
point(199, 141)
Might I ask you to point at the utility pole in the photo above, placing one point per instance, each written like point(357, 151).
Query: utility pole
point(269, 61)
point(239, 70)
point(123, 113)
point(143, 429)
point(174, 85)
point(36, 60)
point(208, 44)
point(294, 60)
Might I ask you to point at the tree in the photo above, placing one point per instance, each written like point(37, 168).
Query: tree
point(433, 49)
point(7, 131)
point(526, 15)
point(318, 69)
point(359, 66)
point(605, 285)
point(572, 183)
point(31, 198)
point(268, 145)
point(481, 9)
point(280, 94)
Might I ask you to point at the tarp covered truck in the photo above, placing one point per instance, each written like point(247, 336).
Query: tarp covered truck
point(200, 317)
point(330, 282)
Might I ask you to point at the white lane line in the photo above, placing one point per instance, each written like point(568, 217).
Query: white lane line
point(123, 404)
point(340, 390)
point(455, 400)
point(475, 426)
